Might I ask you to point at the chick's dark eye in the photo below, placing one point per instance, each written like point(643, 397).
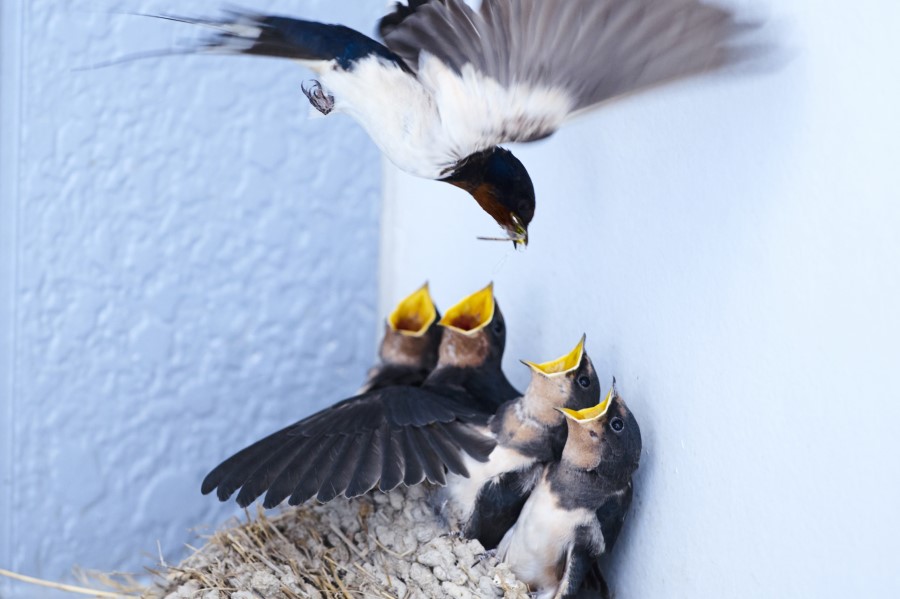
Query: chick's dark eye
point(617, 424)
point(584, 381)
point(498, 327)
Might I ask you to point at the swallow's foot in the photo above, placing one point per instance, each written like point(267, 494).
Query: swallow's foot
point(483, 556)
point(321, 101)
point(455, 534)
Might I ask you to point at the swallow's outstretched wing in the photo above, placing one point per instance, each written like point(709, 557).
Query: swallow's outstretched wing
point(517, 69)
point(398, 14)
point(382, 438)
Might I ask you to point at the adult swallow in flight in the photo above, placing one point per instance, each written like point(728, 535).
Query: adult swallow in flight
point(392, 435)
point(576, 511)
point(449, 84)
point(530, 432)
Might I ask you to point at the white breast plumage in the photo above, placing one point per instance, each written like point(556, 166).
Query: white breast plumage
point(541, 537)
point(463, 491)
point(397, 112)
point(426, 125)
point(477, 113)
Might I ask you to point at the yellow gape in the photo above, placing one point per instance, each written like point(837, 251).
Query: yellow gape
point(471, 314)
point(589, 414)
point(414, 314)
point(559, 366)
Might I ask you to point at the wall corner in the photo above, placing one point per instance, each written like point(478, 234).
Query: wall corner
point(11, 13)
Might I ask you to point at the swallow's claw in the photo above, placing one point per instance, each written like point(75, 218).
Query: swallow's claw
point(453, 534)
point(321, 101)
point(483, 556)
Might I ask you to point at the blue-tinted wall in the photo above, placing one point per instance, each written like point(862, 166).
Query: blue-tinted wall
point(187, 262)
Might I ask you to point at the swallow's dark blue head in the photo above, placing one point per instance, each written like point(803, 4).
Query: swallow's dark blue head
point(500, 184)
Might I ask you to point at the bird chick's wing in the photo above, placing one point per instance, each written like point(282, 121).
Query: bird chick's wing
point(611, 515)
point(517, 69)
point(391, 375)
point(381, 438)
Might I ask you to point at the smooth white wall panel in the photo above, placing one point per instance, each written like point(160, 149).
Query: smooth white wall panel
point(730, 247)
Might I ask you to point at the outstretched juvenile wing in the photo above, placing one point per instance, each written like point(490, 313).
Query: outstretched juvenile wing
point(611, 515)
point(516, 69)
point(381, 438)
point(391, 375)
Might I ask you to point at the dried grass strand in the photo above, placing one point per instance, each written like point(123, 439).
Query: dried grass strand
point(69, 588)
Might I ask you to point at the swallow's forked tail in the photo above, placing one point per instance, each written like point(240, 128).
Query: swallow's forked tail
point(240, 32)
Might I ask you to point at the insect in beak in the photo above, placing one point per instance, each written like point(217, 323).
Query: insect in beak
point(518, 234)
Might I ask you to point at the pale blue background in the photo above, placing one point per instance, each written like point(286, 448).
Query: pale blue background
point(187, 263)
point(731, 247)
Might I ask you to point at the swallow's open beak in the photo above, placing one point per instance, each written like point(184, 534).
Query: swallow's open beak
point(414, 314)
point(562, 365)
point(589, 414)
point(471, 314)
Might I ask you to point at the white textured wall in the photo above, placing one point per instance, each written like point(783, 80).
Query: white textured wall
point(731, 249)
point(186, 263)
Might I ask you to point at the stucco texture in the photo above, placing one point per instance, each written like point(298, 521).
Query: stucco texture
point(190, 264)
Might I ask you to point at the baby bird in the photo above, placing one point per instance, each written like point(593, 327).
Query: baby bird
point(576, 511)
point(391, 435)
point(409, 348)
point(530, 433)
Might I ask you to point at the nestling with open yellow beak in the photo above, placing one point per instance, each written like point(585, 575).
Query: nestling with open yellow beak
point(576, 511)
point(390, 435)
point(409, 348)
point(530, 432)
point(407, 354)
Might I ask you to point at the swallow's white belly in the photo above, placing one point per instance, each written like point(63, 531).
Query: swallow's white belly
point(397, 112)
point(540, 539)
point(463, 491)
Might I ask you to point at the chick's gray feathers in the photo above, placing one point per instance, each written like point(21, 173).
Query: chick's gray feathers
point(587, 50)
point(390, 375)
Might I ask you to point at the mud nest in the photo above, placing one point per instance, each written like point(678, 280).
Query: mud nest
point(380, 545)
